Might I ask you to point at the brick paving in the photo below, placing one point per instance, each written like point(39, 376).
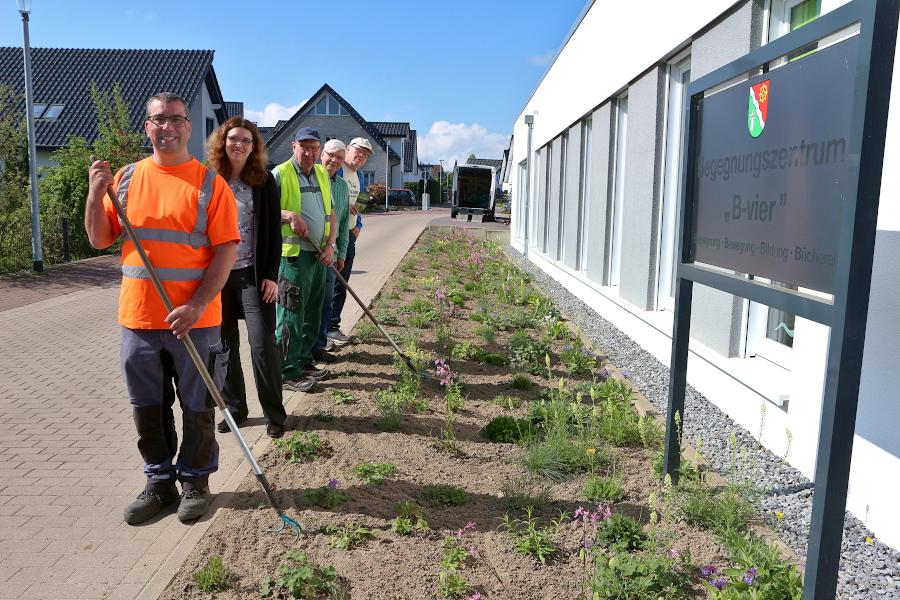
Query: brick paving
point(68, 458)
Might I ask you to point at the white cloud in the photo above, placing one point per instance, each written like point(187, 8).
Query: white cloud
point(456, 141)
point(272, 113)
point(542, 60)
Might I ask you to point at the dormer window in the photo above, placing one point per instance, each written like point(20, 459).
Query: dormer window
point(49, 112)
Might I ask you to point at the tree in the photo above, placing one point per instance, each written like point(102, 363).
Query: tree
point(64, 187)
point(470, 159)
point(15, 209)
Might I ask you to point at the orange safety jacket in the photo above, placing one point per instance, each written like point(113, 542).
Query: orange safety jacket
point(170, 210)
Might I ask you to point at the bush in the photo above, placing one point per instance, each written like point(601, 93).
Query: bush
point(214, 576)
point(639, 576)
point(509, 430)
point(558, 457)
point(445, 495)
point(301, 578)
point(607, 490)
point(302, 446)
point(729, 508)
point(621, 532)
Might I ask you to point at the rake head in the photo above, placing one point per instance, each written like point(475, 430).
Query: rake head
point(289, 522)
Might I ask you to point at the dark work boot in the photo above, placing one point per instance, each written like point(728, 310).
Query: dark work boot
point(194, 499)
point(150, 502)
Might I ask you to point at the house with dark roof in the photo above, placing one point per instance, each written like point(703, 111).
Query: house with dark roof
point(334, 117)
point(62, 78)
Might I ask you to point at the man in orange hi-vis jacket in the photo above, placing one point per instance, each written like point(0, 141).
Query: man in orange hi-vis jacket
point(186, 218)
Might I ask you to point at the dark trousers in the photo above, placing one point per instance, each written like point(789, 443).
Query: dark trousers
point(301, 287)
point(144, 356)
point(340, 292)
point(327, 305)
point(240, 296)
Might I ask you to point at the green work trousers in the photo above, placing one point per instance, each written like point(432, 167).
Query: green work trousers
point(301, 289)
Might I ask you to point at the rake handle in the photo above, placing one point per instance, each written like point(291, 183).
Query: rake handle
point(362, 305)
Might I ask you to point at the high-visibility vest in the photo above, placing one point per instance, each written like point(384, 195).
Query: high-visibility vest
point(291, 199)
point(177, 244)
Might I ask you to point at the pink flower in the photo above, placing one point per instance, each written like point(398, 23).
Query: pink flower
point(475, 596)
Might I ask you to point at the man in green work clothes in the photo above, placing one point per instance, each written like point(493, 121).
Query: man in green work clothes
point(306, 219)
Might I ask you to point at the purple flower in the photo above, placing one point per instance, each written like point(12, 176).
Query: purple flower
point(333, 483)
point(708, 570)
point(475, 596)
point(626, 373)
point(675, 553)
point(719, 582)
point(470, 526)
point(444, 372)
point(750, 576)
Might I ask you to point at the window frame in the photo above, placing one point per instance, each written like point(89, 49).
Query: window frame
point(670, 209)
point(617, 205)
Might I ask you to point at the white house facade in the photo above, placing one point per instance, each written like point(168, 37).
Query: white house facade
point(604, 183)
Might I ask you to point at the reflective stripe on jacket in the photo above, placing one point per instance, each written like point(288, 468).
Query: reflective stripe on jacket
point(291, 200)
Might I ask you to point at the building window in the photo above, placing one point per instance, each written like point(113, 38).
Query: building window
point(679, 78)
point(210, 126)
point(368, 178)
point(584, 195)
point(786, 16)
point(45, 111)
point(328, 105)
point(561, 202)
point(618, 203)
point(545, 198)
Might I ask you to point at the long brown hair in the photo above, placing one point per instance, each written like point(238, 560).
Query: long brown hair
point(254, 173)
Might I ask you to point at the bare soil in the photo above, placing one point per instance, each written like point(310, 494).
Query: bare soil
point(405, 567)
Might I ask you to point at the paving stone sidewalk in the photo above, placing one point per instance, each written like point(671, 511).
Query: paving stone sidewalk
point(68, 457)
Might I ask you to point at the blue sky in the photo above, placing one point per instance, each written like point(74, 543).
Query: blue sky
point(458, 71)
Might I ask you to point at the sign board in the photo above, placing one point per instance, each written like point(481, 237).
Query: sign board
point(770, 169)
point(783, 182)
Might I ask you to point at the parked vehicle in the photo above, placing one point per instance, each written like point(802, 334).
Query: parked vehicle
point(401, 197)
point(473, 191)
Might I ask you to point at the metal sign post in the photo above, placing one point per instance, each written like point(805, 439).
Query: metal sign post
point(769, 192)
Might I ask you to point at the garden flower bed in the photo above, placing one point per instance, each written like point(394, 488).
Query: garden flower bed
point(514, 465)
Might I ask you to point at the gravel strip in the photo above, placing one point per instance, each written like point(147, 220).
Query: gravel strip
point(868, 570)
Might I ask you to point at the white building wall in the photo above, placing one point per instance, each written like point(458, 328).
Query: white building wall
point(575, 87)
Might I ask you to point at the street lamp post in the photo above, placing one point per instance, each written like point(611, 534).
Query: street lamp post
point(24, 10)
point(529, 121)
point(441, 180)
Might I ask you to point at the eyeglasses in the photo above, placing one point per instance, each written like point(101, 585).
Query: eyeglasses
point(333, 155)
point(160, 120)
point(234, 141)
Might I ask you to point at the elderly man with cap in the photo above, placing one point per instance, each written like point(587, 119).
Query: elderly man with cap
point(358, 152)
point(333, 155)
point(308, 234)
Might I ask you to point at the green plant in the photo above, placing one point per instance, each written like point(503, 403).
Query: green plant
point(214, 576)
point(365, 331)
point(530, 539)
point(526, 353)
point(374, 473)
point(554, 329)
point(487, 332)
point(728, 508)
point(456, 552)
point(604, 489)
point(621, 532)
point(301, 578)
point(509, 430)
point(403, 522)
point(348, 536)
point(558, 457)
point(445, 495)
point(507, 402)
point(465, 351)
point(386, 317)
point(576, 360)
point(525, 491)
point(644, 575)
point(328, 496)
point(342, 397)
point(303, 446)
point(522, 382)
point(758, 573)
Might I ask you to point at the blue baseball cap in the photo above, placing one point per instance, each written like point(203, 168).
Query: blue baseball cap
point(307, 133)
